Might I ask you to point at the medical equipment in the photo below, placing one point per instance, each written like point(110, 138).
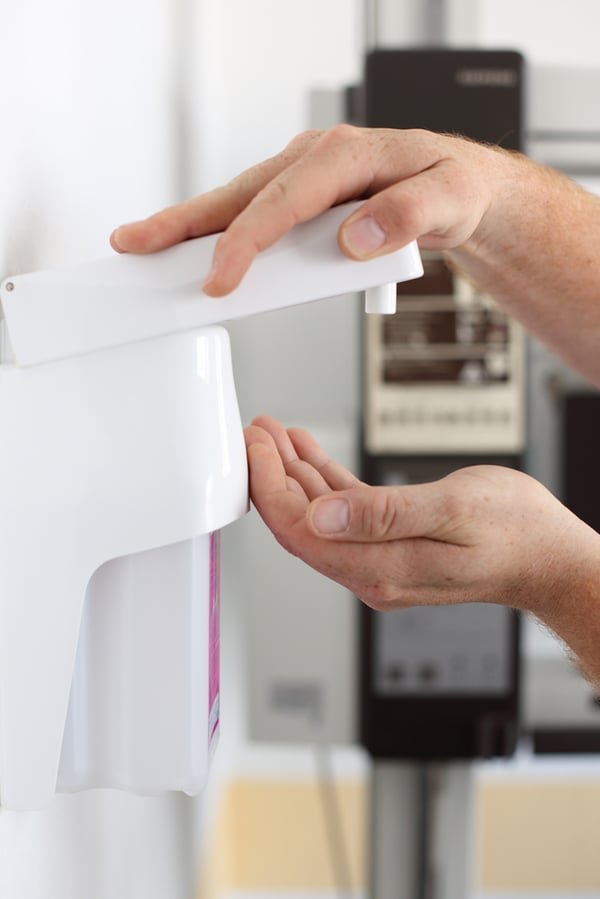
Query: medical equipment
point(444, 387)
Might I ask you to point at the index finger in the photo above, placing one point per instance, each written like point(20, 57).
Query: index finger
point(316, 171)
point(342, 164)
point(210, 212)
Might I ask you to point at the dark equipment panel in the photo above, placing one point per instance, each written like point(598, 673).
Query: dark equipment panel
point(476, 94)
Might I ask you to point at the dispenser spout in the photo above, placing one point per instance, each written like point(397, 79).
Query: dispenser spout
point(124, 299)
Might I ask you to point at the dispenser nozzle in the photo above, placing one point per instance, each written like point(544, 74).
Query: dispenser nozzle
point(381, 300)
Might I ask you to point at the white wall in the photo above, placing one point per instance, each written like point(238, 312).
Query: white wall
point(548, 33)
point(88, 138)
point(260, 60)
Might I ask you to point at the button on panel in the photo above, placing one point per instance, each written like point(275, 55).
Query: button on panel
point(441, 650)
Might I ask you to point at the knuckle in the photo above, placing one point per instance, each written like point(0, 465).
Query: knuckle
point(160, 225)
point(379, 596)
point(457, 509)
point(276, 201)
point(304, 139)
point(424, 136)
point(240, 189)
point(381, 515)
point(372, 599)
point(286, 543)
point(406, 215)
point(341, 134)
point(459, 178)
point(453, 506)
point(275, 191)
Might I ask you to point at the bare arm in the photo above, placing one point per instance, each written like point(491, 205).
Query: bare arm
point(481, 534)
point(522, 232)
point(537, 251)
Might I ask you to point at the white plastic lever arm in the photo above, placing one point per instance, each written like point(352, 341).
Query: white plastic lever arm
point(123, 299)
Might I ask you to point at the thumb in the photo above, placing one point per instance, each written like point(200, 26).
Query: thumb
point(378, 514)
point(429, 206)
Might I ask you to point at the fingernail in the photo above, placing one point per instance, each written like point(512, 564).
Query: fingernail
point(114, 238)
point(126, 225)
point(331, 516)
point(363, 236)
point(119, 231)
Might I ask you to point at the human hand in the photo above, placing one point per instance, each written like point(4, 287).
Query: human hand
point(484, 533)
point(425, 186)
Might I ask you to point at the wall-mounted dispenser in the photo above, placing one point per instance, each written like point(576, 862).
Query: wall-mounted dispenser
point(122, 455)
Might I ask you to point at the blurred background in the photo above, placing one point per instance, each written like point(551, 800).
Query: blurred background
point(428, 755)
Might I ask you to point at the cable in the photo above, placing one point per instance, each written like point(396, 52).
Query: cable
point(334, 829)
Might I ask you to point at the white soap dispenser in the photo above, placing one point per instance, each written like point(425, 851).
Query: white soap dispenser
point(122, 456)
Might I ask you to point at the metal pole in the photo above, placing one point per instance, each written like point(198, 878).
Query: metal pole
point(370, 24)
point(453, 837)
point(421, 815)
point(395, 802)
point(422, 831)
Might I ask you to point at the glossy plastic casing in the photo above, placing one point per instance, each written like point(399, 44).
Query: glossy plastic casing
point(106, 456)
point(122, 455)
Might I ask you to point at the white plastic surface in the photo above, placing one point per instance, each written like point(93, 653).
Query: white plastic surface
point(124, 299)
point(139, 714)
point(103, 456)
point(381, 300)
point(118, 458)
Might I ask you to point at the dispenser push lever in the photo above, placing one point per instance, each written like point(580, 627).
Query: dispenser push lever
point(123, 299)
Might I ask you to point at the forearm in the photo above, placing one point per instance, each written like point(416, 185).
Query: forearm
point(537, 252)
point(521, 232)
point(568, 600)
point(524, 234)
point(581, 634)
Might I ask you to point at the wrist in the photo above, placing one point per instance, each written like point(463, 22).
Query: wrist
point(509, 178)
point(569, 604)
